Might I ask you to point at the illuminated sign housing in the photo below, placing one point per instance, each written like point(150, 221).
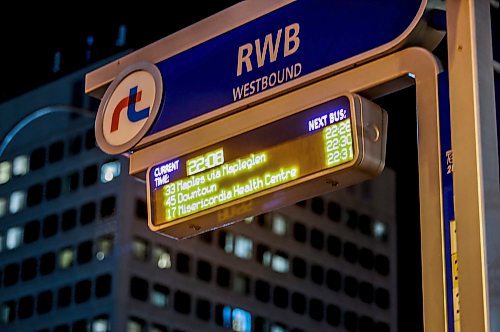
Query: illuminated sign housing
point(319, 149)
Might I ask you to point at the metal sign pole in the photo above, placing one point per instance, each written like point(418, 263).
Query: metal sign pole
point(476, 181)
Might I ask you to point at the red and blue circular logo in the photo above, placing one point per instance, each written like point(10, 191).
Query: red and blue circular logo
point(129, 108)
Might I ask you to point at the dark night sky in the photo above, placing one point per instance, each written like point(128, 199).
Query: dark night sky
point(31, 36)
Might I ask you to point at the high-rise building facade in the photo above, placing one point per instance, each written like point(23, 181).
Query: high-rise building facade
point(76, 253)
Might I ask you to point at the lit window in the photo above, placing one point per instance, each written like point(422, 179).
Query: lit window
point(14, 238)
point(380, 230)
point(3, 207)
point(5, 167)
point(267, 258)
point(109, 171)
point(277, 328)
point(162, 258)
point(20, 165)
point(229, 244)
point(280, 263)
point(7, 312)
point(66, 257)
point(135, 325)
point(1, 242)
point(279, 225)
point(17, 201)
point(243, 247)
point(159, 296)
point(101, 324)
point(140, 249)
point(104, 247)
point(242, 320)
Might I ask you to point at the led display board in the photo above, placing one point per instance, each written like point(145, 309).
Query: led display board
point(322, 148)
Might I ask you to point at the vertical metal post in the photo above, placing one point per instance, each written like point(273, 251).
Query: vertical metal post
point(475, 158)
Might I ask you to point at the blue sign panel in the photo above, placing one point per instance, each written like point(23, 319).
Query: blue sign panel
point(288, 43)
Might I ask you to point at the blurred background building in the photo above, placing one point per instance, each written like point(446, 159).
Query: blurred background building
point(76, 253)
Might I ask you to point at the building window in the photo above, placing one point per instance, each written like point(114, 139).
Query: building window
point(108, 206)
point(64, 297)
point(333, 280)
point(35, 195)
point(334, 245)
point(280, 297)
point(28, 269)
point(226, 242)
point(37, 159)
point(50, 225)
point(26, 307)
point(316, 309)
point(14, 238)
point(317, 274)
point(366, 292)
point(140, 249)
point(299, 267)
point(299, 232)
point(141, 209)
point(44, 302)
point(80, 325)
point(101, 324)
point(280, 262)
point(279, 224)
point(68, 220)
point(71, 182)
point(103, 285)
point(159, 296)
point(110, 170)
point(90, 175)
point(262, 291)
point(277, 327)
point(31, 231)
point(84, 252)
point(135, 324)
point(11, 274)
point(366, 258)
point(53, 189)
point(83, 291)
point(380, 231)
point(298, 303)
point(243, 247)
point(20, 165)
point(352, 219)
point(104, 246)
point(66, 258)
point(350, 252)
point(350, 321)
point(183, 263)
point(162, 258)
point(139, 288)
point(241, 284)
point(241, 320)
point(203, 309)
point(5, 171)
point(317, 205)
point(317, 239)
point(75, 145)
point(17, 201)
point(56, 151)
point(333, 315)
point(351, 286)
point(90, 139)
point(47, 263)
point(365, 224)
point(182, 302)
point(87, 213)
point(61, 328)
point(334, 211)
point(3, 207)
point(204, 270)
point(223, 277)
point(8, 311)
point(382, 299)
point(382, 265)
point(158, 328)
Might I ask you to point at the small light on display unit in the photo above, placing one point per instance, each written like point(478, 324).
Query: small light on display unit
point(230, 180)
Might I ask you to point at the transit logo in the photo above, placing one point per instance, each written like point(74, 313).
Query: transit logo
point(129, 103)
point(129, 108)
